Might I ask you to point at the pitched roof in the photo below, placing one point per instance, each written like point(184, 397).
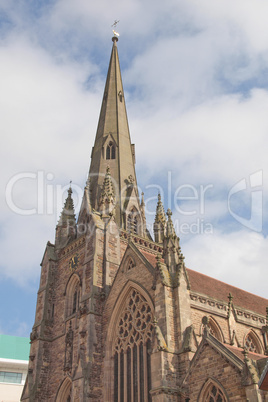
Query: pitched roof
point(219, 290)
point(14, 347)
point(150, 257)
point(239, 353)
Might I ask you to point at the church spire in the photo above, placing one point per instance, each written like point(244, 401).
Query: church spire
point(113, 148)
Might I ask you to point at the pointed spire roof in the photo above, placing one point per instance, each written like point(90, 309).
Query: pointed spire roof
point(113, 146)
point(160, 212)
point(170, 227)
point(66, 228)
point(107, 199)
point(68, 212)
point(160, 222)
point(107, 190)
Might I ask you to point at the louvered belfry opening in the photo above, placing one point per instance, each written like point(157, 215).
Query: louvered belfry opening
point(132, 364)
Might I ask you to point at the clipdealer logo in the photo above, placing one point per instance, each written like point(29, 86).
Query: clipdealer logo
point(254, 222)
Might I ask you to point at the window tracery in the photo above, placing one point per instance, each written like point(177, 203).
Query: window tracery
point(132, 371)
point(110, 151)
point(212, 392)
point(213, 327)
point(131, 264)
point(251, 343)
point(213, 330)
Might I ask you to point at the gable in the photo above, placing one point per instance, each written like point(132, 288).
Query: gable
point(210, 363)
point(139, 273)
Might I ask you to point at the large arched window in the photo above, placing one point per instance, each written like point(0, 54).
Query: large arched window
point(131, 350)
point(252, 343)
point(72, 296)
point(110, 151)
point(212, 391)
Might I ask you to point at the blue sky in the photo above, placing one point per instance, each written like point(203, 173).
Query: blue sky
point(196, 86)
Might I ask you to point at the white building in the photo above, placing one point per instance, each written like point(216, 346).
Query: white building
point(14, 357)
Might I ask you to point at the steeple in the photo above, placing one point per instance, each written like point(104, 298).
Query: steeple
point(113, 148)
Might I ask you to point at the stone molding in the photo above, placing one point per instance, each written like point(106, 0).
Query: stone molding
point(209, 304)
point(72, 247)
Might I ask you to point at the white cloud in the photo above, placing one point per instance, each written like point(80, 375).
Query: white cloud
point(238, 258)
point(218, 142)
point(191, 73)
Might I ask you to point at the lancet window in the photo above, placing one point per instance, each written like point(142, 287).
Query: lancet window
point(72, 296)
point(131, 264)
point(75, 297)
point(110, 151)
point(132, 364)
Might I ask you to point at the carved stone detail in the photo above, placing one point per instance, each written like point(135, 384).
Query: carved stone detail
point(69, 349)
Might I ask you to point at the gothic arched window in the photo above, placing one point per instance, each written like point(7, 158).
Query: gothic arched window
point(110, 151)
point(65, 391)
point(72, 296)
point(214, 329)
point(75, 297)
point(132, 364)
point(212, 392)
point(130, 264)
point(252, 343)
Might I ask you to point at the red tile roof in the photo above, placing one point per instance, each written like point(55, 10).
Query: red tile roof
point(219, 290)
point(239, 353)
point(150, 257)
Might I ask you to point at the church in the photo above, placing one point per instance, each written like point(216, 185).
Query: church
point(119, 317)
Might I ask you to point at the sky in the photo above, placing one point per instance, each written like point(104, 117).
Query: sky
point(195, 76)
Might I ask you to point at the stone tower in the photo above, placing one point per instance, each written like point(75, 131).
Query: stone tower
point(119, 317)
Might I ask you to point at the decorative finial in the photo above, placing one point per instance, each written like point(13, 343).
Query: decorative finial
point(116, 34)
point(142, 199)
point(70, 188)
point(169, 213)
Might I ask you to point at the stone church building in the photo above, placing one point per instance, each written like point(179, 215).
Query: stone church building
point(119, 317)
